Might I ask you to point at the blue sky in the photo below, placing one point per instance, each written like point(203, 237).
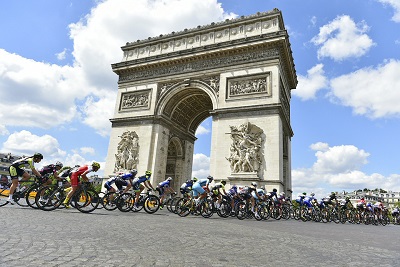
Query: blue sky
point(57, 90)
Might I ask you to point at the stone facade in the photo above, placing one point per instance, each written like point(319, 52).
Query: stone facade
point(240, 72)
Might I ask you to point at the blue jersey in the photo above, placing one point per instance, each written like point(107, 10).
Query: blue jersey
point(165, 183)
point(141, 179)
point(127, 176)
point(187, 184)
point(203, 182)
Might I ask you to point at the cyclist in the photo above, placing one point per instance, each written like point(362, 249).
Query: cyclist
point(201, 188)
point(331, 200)
point(216, 192)
point(300, 198)
point(46, 171)
point(138, 187)
point(16, 171)
point(361, 204)
point(255, 196)
point(186, 187)
point(395, 214)
point(232, 195)
point(309, 201)
point(80, 172)
point(120, 181)
point(164, 186)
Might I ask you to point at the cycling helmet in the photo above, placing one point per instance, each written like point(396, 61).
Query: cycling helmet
point(347, 198)
point(133, 172)
point(223, 182)
point(148, 172)
point(38, 155)
point(369, 204)
point(195, 179)
point(59, 164)
point(169, 179)
point(210, 178)
point(333, 193)
point(96, 165)
point(304, 193)
point(312, 194)
point(282, 193)
point(274, 190)
point(254, 184)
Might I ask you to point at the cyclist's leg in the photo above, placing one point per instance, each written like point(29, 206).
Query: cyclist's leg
point(74, 185)
point(14, 174)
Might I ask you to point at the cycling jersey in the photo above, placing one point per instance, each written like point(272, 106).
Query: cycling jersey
point(15, 169)
point(138, 180)
point(186, 187)
point(198, 187)
point(216, 187)
point(78, 172)
point(162, 186)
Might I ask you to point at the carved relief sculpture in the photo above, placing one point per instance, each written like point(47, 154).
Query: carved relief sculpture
point(246, 86)
point(127, 156)
point(134, 100)
point(245, 150)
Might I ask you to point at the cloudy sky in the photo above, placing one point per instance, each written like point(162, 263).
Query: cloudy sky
point(57, 89)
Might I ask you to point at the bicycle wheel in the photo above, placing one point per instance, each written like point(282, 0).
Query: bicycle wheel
point(48, 198)
point(151, 204)
point(139, 206)
point(108, 201)
point(4, 197)
point(241, 210)
point(325, 216)
point(183, 207)
point(124, 202)
point(264, 212)
point(88, 201)
point(30, 197)
point(207, 208)
point(174, 204)
point(285, 213)
point(225, 209)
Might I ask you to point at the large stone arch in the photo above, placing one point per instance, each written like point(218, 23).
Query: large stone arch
point(240, 72)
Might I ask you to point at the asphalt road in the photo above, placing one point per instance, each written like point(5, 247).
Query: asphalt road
point(31, 237)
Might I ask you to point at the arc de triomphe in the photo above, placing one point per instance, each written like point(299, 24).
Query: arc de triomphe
point(240, 72)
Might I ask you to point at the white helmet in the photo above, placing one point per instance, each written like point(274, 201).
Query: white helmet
point(312, 194)
point(169, 179)
point(254, 184)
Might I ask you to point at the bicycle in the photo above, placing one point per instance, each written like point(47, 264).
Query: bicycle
point(147, 201)
point(51, 197)
point(24, 197)
point(86, 199)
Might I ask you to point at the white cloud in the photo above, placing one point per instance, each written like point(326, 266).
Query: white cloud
point(87, 150)
point(373, 92)
point(48, 94)
point(61, 55)
point(202, 130)
point(320, 146)
point(396, 6)
point(342, 38)
point(45, 93)
point(26, 143)
point(3, 129)
point(339, 159)
point(201, 166)
point(338, 168)
point(309, 85)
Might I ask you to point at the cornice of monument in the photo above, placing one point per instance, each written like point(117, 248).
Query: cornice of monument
point(165, 55)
